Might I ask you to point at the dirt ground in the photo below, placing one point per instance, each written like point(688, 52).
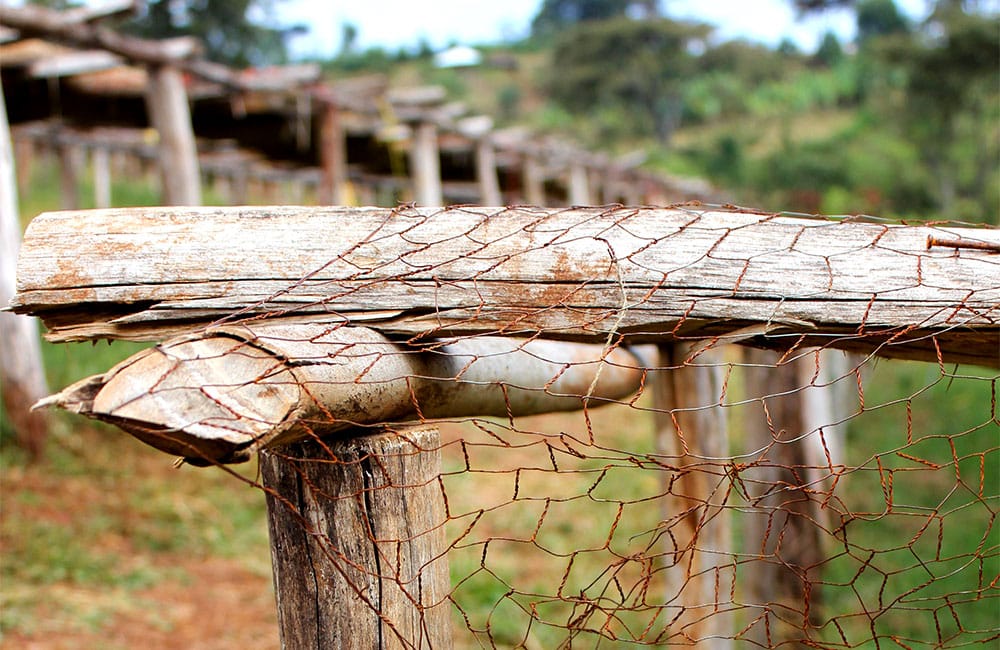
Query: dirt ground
point(220, 607)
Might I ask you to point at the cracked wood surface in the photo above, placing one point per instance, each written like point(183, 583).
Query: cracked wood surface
point(650, 274)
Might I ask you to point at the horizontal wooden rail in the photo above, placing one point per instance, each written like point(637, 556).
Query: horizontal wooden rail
point(224, 394)
point(649, 274)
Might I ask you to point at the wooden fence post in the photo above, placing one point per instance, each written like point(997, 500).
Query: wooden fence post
point(692, 434)
point(534, 180)
point(170, 115)
point(333, 156)
point(358, 541)
point(22, 376)
point(579, 185)
point(486, 172)
point(69, 175)
point(425, 165)
point(100, 161)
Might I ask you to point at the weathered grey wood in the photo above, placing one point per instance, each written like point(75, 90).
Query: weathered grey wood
point(693, 436)
point(784, 523)
point(425, 165)
point(358, 542)
point(101, 163)
point(221, 395)
point(22, 376)
point(170, 115)
point(649, 274)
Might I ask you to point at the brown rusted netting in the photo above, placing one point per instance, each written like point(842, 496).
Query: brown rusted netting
point(768, 478)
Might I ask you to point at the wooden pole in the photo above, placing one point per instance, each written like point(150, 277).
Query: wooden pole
point(69, 176)
point(22, 376)
point(425, 165)
point(333, 157)
point(358, 541)
point(534, 181)
point(692, 434)
point(170, 115)
point(486, 173)
point(783, 527)
point(100, 161)
point(579, 185)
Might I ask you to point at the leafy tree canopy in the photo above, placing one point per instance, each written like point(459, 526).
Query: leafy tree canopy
point(234, 31)
point(558, 14)
point(627, 67)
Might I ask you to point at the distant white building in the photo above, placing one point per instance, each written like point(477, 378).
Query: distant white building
point(458, 56)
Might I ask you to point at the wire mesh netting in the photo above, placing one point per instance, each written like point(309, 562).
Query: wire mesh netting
point(681, 478)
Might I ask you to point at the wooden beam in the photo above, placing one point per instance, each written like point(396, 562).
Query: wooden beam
point(651, 274)
point(74, 63)
point(358, 545)
point(78, 29)
point(222, 395)
point(170, 115)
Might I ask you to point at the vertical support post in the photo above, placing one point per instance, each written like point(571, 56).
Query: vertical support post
point(425, 165)
point(69, 175)
point(692, 434)
point(100, 160)
point(783, 526)
point(170, 115)
point(579, 185)
point(23, 158)
point(333, 156)
point(358, 543)
point(22, 376)
point(534, 181)
point(486, 173)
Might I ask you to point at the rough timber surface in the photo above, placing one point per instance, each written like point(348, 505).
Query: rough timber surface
point(650, 274)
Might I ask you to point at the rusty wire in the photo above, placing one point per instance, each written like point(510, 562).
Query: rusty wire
point(795, 496)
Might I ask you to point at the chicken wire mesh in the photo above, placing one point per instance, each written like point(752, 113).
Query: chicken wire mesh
point(691, 490)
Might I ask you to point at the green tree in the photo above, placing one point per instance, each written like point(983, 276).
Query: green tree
point(879, 18)
point(234, 31)
point(633, 70)
point(829, 52)
point(555, 15)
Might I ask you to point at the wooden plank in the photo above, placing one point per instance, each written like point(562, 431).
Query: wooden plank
point(651, 274)
point(358, 542)
point(22, 376)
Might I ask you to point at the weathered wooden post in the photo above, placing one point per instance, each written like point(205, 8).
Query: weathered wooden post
point(333, 156)
point(692, 433)
point(533, 179)
point(478, 128)
point(101, 164)
point(425, 164)
point(358, 541)
point(22, 376)
point(170, 115)
point(69, 172)
point(579, 184)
